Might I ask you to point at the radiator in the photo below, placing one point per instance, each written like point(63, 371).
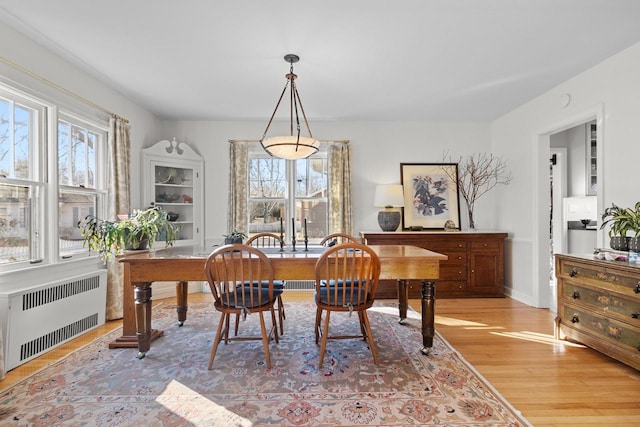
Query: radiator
point(46, 316)
point(300, 285)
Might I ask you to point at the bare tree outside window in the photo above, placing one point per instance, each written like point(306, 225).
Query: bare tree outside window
point(477, 174)
point(267, 186)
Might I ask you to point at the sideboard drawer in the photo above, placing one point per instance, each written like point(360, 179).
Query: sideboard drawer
point(492, 245)
point(600, 299)
point(442, 246)
point(452, 288)
point(618, 333)
point(453, 272)
point(616, 280)
point(455, 258)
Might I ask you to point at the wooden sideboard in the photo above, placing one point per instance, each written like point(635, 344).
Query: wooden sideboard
point(475, 267)
point(599, 305)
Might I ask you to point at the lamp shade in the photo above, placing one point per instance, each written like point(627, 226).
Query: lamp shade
point(291, 147)
point(388, 196)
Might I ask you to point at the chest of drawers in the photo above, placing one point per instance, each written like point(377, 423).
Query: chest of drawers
point(599, 306)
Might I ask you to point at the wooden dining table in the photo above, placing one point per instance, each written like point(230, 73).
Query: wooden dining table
point(184, 264)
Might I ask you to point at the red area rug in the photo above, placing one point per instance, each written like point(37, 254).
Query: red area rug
point(171, 386)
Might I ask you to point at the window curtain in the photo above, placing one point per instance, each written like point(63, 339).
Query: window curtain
point(238, 197)
point(118, 203)
point(339, 164)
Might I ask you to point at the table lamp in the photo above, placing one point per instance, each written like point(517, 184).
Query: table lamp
point(389, 197)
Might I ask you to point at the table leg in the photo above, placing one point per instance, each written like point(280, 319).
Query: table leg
point(182, 289)
point(403, 300)
point(129, 339)
point(142, 296)
point(428, 315)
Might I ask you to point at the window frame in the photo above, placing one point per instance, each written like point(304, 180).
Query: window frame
point(43, 236)
point(99, 190)
point(290, 198)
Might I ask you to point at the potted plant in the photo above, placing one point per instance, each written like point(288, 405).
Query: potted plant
point(622, 221)
point(137, 231)
point(234, 237)
point(634, 227)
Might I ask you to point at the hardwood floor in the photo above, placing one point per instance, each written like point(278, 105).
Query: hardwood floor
point(511, 344)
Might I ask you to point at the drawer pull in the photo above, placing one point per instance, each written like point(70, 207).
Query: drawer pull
point(574, 273)
point(637, 288)
point(576, 295)
point(575, 319)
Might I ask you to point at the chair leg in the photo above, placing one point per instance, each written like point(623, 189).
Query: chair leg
point(325, 335)
point(265, 340)
point(318, 320)
point(274, 325)
point(369, 335)
point(237, 324)
point(217, 339)
point(281, 315)
point(362, 328)
point(227, 320)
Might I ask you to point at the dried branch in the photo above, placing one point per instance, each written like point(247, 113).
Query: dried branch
point(477, 174)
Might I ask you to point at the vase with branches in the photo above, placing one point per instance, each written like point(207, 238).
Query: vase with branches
point(477, 174)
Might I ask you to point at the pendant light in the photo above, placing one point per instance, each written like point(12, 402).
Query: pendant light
point(291, 146)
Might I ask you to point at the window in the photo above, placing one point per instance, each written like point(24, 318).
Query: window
point(21, 179)
point(288, 189)
point(77, 180)
point(46, 177)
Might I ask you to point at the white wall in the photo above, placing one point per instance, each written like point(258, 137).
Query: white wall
point(378, 148)
point(609, 91)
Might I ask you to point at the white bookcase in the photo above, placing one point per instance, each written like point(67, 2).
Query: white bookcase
point(173, 180)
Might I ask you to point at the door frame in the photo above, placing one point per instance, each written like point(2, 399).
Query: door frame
point(541, 293)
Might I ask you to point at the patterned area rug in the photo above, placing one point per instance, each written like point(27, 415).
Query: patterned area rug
point(171, 386)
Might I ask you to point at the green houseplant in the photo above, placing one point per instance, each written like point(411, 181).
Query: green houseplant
point(622, 221)
point(634, 227)
point(234, 237)
point(138, 231)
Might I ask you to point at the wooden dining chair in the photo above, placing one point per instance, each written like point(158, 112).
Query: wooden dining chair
point(337, 238)
point(264, 240)
point(270, 240)
point(241, 281)
point(352, 271)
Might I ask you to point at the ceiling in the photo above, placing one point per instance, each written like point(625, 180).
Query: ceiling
point(361, 60)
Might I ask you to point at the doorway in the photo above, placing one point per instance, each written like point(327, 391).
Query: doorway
point(548, 235)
